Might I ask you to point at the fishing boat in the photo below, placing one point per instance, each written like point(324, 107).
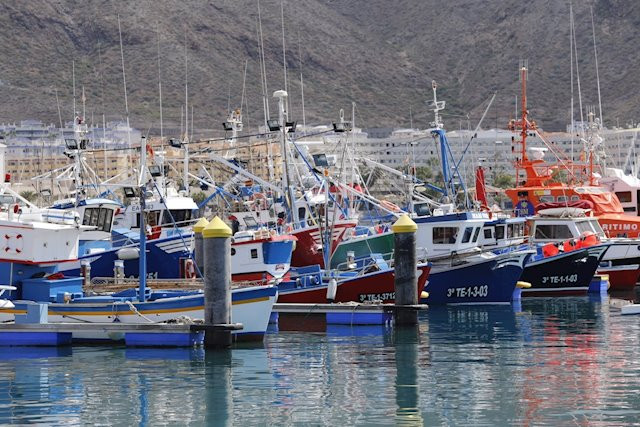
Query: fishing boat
point(621, 262)
point(537, 181)
point(67, 303)
point(371, 281)
point(551, 270)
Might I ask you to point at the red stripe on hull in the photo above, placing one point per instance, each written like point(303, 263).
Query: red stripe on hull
point(622, 280)
point(260, 276)
point(353, 290)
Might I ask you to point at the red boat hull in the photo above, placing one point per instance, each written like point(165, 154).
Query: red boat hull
point(309, 244)
point(369, 287)
point(622, 280)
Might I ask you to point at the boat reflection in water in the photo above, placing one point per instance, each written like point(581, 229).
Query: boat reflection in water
point(550, 361)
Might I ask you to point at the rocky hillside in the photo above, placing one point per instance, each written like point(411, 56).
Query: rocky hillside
point(381, 54)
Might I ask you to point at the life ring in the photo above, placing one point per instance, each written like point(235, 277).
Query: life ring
point(13, 243)
point(260, 200)
point(189, 269)
point(390, 206)
point(149, 150)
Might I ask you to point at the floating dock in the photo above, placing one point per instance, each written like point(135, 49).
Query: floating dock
point(341, 314)
point(133, 335)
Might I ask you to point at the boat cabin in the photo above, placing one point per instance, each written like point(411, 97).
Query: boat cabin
point(503, 232)
point(448, 233)
point(96, 213)
point(548, 229)
point(162, 216)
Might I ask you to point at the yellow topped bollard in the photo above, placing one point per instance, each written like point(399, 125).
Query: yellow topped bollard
point(216, 228)
point(405, 265)
point(217, 281)
point(198, 250)
point(200, 225)
point(404, 224)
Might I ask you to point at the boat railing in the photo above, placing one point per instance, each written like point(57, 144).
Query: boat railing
point(106, 285)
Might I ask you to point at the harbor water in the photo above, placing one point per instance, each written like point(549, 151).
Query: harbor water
point(563, 361)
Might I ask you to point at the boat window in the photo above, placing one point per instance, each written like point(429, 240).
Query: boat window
point(552, 231)
point(445, 235)
point(421, 209)
point(597, 228)
point(254, 253)
point(624, 196)
point(487, 233)
point(562, 199)
point(100, 218)
point(106, 224)
point(546, 199)
point(476, 234)
point(93, 221)
point(500, 232)
point(86, 219)
point(509, 231)
point(302, 213)
point(467, 234)
point(584, 226)
point(575, 198)
point(180, 216)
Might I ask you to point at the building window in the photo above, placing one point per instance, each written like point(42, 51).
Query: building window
point(254, 253)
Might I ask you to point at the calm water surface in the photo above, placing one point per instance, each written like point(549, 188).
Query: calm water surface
point(564, 361)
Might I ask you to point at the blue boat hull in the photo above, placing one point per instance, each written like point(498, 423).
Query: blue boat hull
point(486, 282)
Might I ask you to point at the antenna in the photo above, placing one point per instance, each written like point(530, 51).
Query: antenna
point(84, 109)
point(73, 79)
point(161, 121)
point(304, 119)
point(263, 68)
point(104, 124)
point(575, 50)
point(185, 172)
point(186, 88)
point(573, 126)
point(59, 113)
point(595, 52)
point(126, 102)
point(284, 53)
point(437, 107)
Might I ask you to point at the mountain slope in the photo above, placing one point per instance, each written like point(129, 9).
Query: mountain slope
point(380, 54)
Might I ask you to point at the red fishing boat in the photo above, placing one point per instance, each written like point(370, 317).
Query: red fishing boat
point(539, 182)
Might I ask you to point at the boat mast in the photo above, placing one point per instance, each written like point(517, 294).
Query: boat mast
point(595, 52)
point(523, 124)
point(126, 102)
point(185, 172)
point(286, 179)
point(163, 186)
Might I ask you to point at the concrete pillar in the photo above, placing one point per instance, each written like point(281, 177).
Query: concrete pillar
point(405, 266)
point(198, 250)
point(217, 282)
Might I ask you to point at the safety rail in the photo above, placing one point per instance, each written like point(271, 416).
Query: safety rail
point(105, 285)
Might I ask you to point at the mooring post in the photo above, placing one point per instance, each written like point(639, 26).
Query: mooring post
point(198, 251)
point(217, 282)
point(405, 267)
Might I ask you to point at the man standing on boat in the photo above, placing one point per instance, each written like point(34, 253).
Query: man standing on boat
point(524, 207)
